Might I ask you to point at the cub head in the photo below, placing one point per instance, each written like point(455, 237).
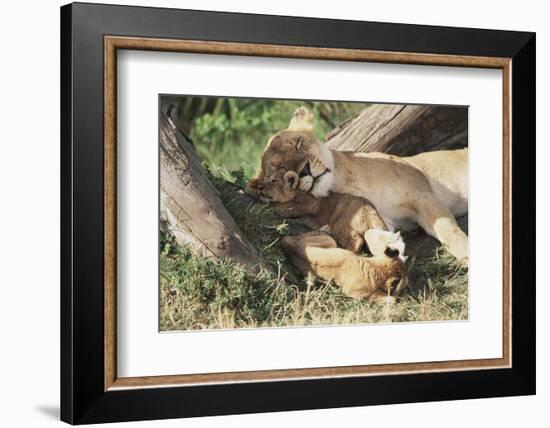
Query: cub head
point(396, 280)
point(281, 187)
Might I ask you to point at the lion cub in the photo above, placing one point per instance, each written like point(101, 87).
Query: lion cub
point(351, 220)
point(375, 278)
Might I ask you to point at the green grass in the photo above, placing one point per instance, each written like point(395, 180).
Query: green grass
point(197, 293)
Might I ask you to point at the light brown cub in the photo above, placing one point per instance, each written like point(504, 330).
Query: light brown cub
point(346, 217)
point(375, 278)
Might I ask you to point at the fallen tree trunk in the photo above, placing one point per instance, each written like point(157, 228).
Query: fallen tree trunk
point(190, 207)
point(402, 130)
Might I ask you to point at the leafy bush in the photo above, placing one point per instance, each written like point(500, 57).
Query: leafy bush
point(231, 133)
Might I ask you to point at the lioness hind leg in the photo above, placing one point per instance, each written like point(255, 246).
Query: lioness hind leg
point(438, 221)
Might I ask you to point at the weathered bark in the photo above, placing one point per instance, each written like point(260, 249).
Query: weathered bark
point(402, 130)
point(191, 209)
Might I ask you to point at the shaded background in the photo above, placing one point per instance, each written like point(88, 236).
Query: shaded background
point(231, 133)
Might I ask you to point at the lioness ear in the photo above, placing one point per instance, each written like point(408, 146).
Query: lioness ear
point(297, 142)
point(291, 179)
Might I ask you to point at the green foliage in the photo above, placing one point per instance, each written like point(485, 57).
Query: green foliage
point(199, 293)
point(231, 133)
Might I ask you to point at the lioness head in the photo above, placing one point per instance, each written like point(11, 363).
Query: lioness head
point(287, 150)
point(295, 149)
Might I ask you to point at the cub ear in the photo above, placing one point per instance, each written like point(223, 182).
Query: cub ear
point(291, 179)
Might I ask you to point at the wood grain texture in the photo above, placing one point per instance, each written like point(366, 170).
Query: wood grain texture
point(109, 195)
point(402, 130)
point(295, 374)
point(113, 43)
point(285, 51)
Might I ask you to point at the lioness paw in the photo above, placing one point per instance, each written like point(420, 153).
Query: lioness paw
point(317, 167)
point(386, 243)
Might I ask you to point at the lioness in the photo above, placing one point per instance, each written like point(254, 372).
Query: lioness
point(360, 277)
point(428, 189)
point(349, 219)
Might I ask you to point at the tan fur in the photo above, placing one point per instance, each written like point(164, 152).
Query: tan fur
point(428, 189)
point(372, 278)
point(346, 217)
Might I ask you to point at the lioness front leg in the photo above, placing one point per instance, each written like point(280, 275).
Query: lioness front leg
point(440, 223)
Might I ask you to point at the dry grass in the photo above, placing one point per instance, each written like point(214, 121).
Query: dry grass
point(197, 293)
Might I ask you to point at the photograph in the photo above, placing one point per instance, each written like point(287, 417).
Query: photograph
point(265, 211)
point(295, 213)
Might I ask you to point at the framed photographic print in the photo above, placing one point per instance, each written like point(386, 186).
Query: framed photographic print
point(265, 213)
